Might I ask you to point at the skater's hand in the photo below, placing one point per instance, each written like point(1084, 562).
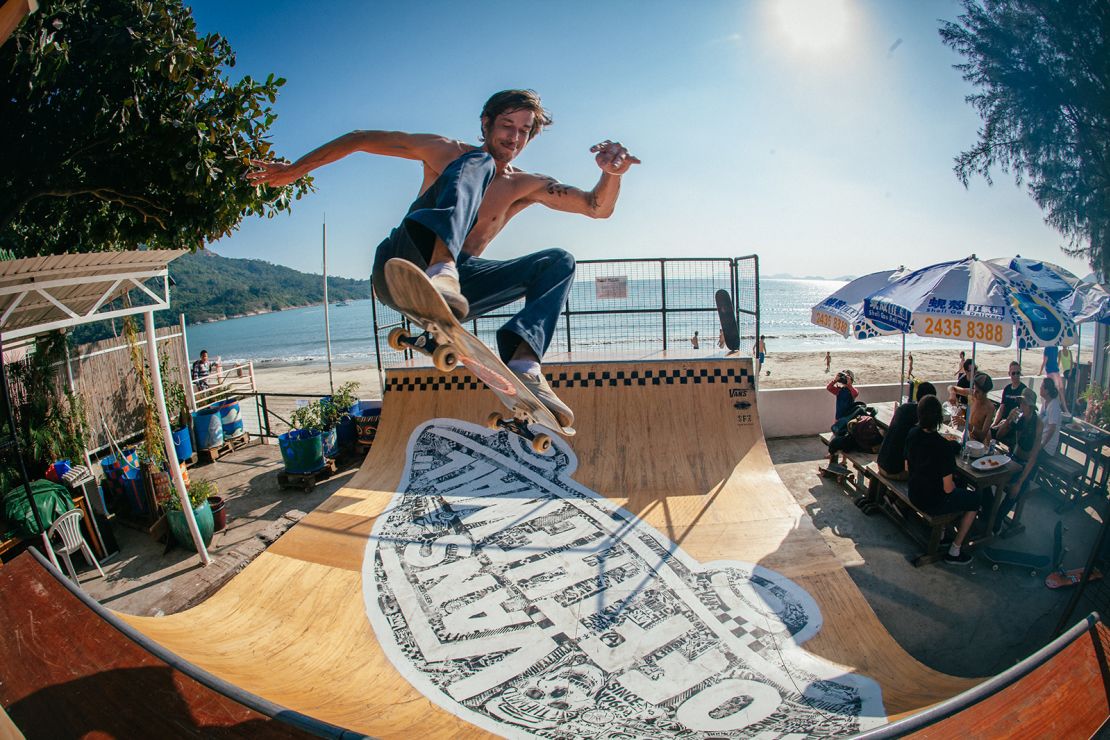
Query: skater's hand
point(613, 158)
point(275, 174)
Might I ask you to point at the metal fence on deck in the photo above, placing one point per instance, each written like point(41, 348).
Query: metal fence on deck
point(623, 307)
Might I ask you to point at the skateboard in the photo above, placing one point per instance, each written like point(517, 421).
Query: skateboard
point(839, 472)
point(1033, 562)
point(727, 314)
point(1063, 578)
point(449, 344)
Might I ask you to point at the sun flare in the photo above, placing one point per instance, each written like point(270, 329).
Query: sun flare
point(812, 25)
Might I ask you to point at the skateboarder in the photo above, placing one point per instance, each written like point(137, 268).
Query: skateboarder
point(467, 196)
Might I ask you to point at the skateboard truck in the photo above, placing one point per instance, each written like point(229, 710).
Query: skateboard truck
point(443, 356)
point(518, 425)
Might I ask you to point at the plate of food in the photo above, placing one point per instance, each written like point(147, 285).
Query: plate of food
point(991, 462)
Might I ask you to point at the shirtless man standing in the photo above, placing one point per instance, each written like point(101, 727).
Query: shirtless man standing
point(468, 195)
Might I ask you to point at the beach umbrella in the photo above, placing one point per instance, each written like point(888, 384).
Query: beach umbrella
point(842, 311)
point(1083, 301)
point(972, 300)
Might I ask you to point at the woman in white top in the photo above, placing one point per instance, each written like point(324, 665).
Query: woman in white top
point(1052, 415)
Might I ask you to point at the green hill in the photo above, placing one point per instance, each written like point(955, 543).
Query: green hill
point(208, 287)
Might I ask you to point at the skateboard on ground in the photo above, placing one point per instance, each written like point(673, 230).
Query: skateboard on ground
point(449, 344)
point(1063, 578)
point(834, 470)
point(1033, 562)
point(727, 313)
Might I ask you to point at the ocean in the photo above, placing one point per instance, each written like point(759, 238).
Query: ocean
point(297, 335)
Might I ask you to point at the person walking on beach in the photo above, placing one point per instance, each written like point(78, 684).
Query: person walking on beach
point(828, 361)
point(694, 340)
point(467, 196)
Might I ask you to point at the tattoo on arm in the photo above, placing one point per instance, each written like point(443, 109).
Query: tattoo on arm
point(556, 188)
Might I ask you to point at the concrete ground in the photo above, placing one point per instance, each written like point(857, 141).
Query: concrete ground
point(962, 620)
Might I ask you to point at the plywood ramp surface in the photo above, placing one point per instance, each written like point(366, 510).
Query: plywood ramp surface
point(676, 443)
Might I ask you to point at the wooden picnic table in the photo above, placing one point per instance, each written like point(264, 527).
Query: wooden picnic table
point(979, 479)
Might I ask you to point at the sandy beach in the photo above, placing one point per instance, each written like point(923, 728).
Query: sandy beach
point(787, 370)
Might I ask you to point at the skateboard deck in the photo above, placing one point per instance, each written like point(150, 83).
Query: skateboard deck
point(448, 343)
point(1064, 578)
point(1033, 562)
point(839, 472)
point(727, 314)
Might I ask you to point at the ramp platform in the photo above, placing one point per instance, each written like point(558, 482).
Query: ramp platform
point(652, 577)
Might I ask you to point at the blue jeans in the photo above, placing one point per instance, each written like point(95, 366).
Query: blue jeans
point(448, 210)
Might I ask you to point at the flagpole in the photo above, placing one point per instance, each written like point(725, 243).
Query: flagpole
point(327, 322)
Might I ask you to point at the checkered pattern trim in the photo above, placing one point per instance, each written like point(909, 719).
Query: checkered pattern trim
point(612, 378)
point(434, 383)
point(592, 379)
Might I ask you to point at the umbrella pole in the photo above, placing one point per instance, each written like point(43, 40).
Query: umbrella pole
point(970, 390)
point(902, 385)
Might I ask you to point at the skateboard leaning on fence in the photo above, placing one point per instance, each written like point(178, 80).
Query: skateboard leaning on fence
point(448, 344)
point(727, 314)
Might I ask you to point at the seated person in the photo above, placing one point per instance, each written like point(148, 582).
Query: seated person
point(958, 394)
point(981, 410)
point(931, 463)
point(1025, 429)
point(892, 455)
point(842, 387)
point(1011, 397)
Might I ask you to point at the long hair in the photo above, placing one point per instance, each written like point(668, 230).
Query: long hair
point(509, 101)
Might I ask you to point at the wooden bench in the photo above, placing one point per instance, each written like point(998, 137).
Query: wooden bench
point(892, 497)
point(856, 459)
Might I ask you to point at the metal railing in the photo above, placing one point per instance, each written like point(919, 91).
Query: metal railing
point(620, 306)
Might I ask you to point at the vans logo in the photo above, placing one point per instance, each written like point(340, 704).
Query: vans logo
point(530, 606)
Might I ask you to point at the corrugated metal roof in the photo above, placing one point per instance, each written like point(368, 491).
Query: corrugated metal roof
point(38, 294)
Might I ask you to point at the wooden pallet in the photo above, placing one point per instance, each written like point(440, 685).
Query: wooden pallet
point(212, 454)
point(307, 481)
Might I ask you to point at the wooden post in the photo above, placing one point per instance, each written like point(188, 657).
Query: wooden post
point(187, 375)
point(167, 437)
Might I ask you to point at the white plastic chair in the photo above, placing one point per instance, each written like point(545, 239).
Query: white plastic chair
point(68, 526)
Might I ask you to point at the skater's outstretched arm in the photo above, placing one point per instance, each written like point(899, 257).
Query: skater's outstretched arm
point(434, 151)
point(614, 160)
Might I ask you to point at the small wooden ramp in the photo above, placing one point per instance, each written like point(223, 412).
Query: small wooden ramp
point(677, 444)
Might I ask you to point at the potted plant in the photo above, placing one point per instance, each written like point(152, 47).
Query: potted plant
point(302, 447)
point(336, 410)
point(199, 491)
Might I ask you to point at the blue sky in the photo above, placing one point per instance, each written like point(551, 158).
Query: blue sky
point(818, 134)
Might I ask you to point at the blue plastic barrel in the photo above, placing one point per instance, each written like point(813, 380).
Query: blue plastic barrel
point(209, 428)
point(231, 419)
point(182, 444)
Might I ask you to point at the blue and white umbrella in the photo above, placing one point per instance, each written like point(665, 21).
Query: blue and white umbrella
point(842, 311)
point(974, 301)
point(1082, 301)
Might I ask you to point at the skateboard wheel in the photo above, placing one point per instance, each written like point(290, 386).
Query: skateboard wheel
point(493, 421)
point(396, 337)
point(994, 567)
point(445, 359)
point(541, 443)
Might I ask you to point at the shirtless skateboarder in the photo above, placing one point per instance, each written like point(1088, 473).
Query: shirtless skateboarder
point(468, 195)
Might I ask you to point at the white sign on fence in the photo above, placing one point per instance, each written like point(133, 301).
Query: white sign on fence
point(614, 287)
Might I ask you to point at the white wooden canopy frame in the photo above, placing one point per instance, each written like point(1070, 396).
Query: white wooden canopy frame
point(41, 294)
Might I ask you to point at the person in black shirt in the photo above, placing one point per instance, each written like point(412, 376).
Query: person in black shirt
point(1025, 430)
point(1011, 399)
point(931, 462)
point(892, 455)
